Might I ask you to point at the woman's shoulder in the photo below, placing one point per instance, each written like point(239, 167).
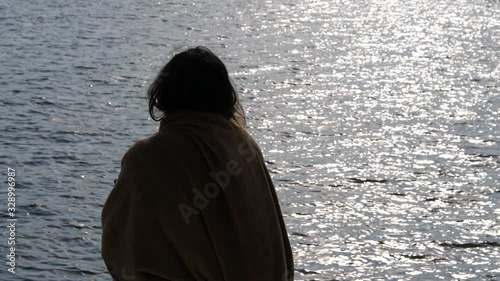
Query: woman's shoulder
point(159, 145)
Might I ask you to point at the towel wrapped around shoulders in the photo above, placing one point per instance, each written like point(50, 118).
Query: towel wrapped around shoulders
point(195, 202)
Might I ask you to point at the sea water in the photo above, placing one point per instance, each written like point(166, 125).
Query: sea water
point(379, 121)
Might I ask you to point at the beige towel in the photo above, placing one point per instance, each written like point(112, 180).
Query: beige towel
point(195, 202)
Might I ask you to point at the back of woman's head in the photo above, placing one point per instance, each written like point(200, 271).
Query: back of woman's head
point(195, 79)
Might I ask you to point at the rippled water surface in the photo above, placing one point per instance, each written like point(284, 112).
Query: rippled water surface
point(379, 121)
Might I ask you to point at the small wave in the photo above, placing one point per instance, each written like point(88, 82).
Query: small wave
point(299, 234)
point(71, 196)
point(64, 157)
point(39, 210)
point(482, 244)
point(357, 180)
point(84, 67)
point(416, 256)
point(305, 271)
point(44, 102)
point(308, 244)
point(397, 194)
point(38, 112)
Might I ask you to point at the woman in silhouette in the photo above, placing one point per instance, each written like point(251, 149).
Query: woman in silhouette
point(195, 201)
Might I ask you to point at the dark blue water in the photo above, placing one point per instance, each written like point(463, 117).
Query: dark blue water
point(379, 121)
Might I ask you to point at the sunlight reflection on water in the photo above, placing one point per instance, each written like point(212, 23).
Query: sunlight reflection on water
point(379, 121)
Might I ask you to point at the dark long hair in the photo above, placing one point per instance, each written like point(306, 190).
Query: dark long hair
point(195, 79)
